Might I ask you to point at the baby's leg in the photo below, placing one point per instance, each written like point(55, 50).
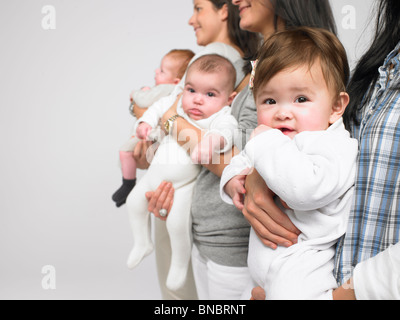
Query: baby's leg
point(128, 165)
point(179, 229)
point(128, 168)
point(304, 274)
point(139, 218)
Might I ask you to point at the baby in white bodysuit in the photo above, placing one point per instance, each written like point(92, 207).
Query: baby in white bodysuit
point(206, 100)
point(305, 156)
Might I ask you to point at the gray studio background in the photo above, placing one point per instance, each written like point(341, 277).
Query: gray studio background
point(64, 96)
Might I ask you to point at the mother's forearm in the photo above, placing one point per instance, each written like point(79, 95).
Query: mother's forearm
point(139, 112)
point(221, 161)
point(188, 136)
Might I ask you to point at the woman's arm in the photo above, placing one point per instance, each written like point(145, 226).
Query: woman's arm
point(140, 154)
point(139, 112)
point(188, 136)
point(272, 226)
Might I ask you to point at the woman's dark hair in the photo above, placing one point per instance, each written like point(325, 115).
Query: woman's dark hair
point(248, 42)
point(305, 13)
point(366, 73)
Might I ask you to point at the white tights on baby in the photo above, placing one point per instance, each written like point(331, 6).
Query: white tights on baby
point(174, 166)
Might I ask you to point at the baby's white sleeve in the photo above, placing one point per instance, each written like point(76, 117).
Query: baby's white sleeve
point(145, 99)
point(308, 172)
point(238, 164)
point(379, 278)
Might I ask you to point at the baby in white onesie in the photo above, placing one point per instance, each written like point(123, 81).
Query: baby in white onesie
point(306, 157)
point(207, 95)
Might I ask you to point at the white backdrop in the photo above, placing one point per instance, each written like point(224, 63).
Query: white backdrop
point(65, 79)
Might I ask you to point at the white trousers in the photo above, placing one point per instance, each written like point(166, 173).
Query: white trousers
point(217, 282)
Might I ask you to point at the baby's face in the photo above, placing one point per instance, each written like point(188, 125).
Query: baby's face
point(205, 94)
point(167, 72)
point(296, 100)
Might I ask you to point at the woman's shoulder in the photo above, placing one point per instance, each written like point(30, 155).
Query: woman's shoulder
point(222, 49)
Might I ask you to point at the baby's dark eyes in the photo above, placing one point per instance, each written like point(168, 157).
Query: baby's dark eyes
point(301, 100)
point(270, 101)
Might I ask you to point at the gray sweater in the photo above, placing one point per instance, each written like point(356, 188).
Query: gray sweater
point(220, 231)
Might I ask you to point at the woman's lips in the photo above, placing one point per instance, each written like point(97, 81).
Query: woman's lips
point(241, 10)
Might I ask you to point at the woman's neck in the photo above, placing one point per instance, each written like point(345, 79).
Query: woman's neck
point(269, 30)
point(224, 38)
point(230, 43)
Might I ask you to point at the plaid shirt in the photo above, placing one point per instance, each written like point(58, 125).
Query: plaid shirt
point(374, 222)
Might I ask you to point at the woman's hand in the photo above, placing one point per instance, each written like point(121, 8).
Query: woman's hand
point(271, 225)
point(345, 292)
point(258, 294)
point(162, 198)
point(140, 154)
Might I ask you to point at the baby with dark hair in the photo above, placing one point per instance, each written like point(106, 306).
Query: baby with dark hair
point(306, 157)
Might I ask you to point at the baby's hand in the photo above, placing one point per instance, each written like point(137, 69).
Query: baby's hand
point(235, 189)
point(260, 129)
point(145, 89)
point(204, 150)
point(143, 130)
point(202, 153)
